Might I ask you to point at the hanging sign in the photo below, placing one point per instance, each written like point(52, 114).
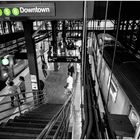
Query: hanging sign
point(64, 59)
point(34, 86)
point(28, 10)
point(33, 78)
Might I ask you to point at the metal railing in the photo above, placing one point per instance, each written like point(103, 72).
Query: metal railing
point(64, 116)
point(32, 100)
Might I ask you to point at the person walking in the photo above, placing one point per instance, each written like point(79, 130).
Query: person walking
point(22, 87)
point(44, 69)
point(69, 84)
point(13, 92)
point(71, 69)
point(42, 54)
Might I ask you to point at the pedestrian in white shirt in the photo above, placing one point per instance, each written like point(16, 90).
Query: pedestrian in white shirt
point(69, 85)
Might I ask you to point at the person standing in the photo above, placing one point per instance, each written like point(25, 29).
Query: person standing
point(8, 81)
point(14, 93)
point(22, 87)
point(71, 69)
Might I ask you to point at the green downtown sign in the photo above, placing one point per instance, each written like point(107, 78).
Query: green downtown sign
point(0, 12)
point(27, 10)
point(15, 11)
point(7, 12)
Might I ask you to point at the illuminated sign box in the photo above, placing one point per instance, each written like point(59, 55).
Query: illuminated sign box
point(28, 10)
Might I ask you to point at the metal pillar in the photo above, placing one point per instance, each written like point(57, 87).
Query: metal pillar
point(126, 29)
point(132, 31)
point(115, 25)
point(137, 41)
point(123, 23)
point(84, 42)
point(70, 28)
point(64, 32)
point(9, 26)
point(2, 27)
point(32, 59)
point(64, 36)
point(54, 42)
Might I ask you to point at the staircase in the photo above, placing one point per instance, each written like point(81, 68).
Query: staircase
point(30, 124)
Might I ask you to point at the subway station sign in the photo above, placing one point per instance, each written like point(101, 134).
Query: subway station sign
point(28, 10)
point(64, 59)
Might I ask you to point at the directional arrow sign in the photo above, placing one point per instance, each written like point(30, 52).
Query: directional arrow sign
point(63, 59)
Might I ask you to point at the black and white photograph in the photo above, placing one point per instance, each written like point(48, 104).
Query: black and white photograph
point(69, 69)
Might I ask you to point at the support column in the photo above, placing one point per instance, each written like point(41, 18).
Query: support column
point(137, 46)
point(32, 59)
point(54, 42)
point(64, 36)
point(9, 26)
point(64, 32)
point(132, 31)
point(2, 27)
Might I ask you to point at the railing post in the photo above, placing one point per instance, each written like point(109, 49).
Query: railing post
point(18, 100)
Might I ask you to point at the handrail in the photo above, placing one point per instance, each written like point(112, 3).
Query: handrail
point(49, 126)
point(90, 125)
point(34, 102)
point(3, 95)
point(65, 118)
point(86, 121)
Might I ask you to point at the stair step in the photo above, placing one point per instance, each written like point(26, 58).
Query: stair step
point(41, 117)
point(36, 119)
point(29, 120)
point(29, 125)
point(40, 111)
point(20, 130)
point(23, 124)
point(50, 108)
point(44, 112)
point(38, 116)
point(11, 135)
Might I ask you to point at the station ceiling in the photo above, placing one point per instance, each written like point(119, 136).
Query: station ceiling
point(74, 9)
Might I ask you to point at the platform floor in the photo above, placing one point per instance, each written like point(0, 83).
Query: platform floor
point(54, 85)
